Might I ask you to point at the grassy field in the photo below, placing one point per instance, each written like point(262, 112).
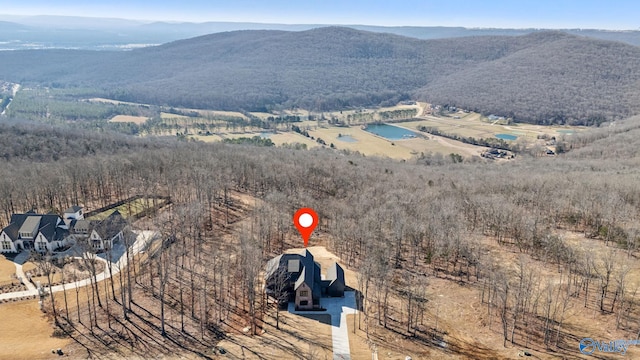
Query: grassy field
point(130, 119)
point(370, 144)
point(477, 126)
point(212, 125)
point(131, 208)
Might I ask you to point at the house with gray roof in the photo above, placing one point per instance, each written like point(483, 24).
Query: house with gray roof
point(303, 281)
point(50, 232)
point(34, 231)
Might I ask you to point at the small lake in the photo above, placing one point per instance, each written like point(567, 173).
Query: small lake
point(265, 135)
point(506, 136)
point(390, 132)
point(347, 138)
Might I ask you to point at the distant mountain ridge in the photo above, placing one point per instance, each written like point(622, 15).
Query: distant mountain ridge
point(541, 77)
point(109, 33)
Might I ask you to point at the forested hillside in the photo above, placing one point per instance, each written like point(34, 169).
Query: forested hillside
point(38, 142)
point(564, 80)
point(396, 223)
point(542, 77)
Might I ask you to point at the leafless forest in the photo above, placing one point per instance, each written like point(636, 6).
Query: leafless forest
point(398, 224)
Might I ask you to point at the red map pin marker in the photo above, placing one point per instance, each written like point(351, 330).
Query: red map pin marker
point(305, 221)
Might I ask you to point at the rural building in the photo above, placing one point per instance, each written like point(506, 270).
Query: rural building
point(50, 232)
point(101, 234)
point(302, 281)
point(34, 231)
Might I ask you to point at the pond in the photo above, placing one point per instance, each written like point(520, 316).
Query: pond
point(506, 136)
point(265, 135)
point(347, 138)
point(390, 132)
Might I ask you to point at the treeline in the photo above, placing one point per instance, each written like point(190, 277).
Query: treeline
point(568, 79)
point(256, 140)
point(39, 142)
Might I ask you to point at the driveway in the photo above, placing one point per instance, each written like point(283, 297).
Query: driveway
point(338, 308)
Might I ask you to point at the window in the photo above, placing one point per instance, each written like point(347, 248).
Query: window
point(304, 293)
point(6, 245)
point(304, 303)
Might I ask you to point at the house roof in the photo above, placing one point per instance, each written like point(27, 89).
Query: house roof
point(80, 224)
point(45, 224)
point(12, 231)
point(111, 226)
point(73, 209)
point(30, 224)
point(335, 273)
point(308, 270)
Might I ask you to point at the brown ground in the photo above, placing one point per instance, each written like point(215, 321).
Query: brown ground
point(7, 271)
point(463, 330)
point(25, 332)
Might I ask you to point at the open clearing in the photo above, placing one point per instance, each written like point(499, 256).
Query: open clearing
point(362, 141)
point(129, 119)
point(214, 125)
point(477, 126)
point(131, 208)
point(25, 332)
point(7, 271)
point(370, 144)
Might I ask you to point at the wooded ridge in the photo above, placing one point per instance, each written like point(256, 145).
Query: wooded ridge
point(545, 77)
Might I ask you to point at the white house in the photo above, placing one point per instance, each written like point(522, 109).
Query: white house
point(48, 233)
point(34, 231)
point(101, 234)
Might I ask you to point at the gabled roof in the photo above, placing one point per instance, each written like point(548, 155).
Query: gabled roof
point(12, 231)
point(80, 224)
point(46, 224)
point(308, 270)
point(111, 226)
point(73, 209)
point(335, 273)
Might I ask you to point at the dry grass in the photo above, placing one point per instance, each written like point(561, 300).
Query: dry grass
point(129, 119)
point(25, 332)
point(7, 271)
point(372, 145)
point(131, 208)
point(474, 125)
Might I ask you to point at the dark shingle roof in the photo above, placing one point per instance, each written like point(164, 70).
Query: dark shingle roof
point(335, 273)
point(111, 226)
point(73, 209)
point(47, 225)
point(12, 231)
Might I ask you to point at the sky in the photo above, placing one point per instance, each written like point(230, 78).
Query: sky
point(553, 14)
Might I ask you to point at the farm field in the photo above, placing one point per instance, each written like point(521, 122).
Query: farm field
point(370, 144)
point(477, 126)
point(129, 119)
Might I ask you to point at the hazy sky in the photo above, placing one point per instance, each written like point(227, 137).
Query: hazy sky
point(613, 14)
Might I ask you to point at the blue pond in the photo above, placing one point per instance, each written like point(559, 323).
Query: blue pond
point(347, 138)
point(506, 136)
point(390, 132)
point(265, 135)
